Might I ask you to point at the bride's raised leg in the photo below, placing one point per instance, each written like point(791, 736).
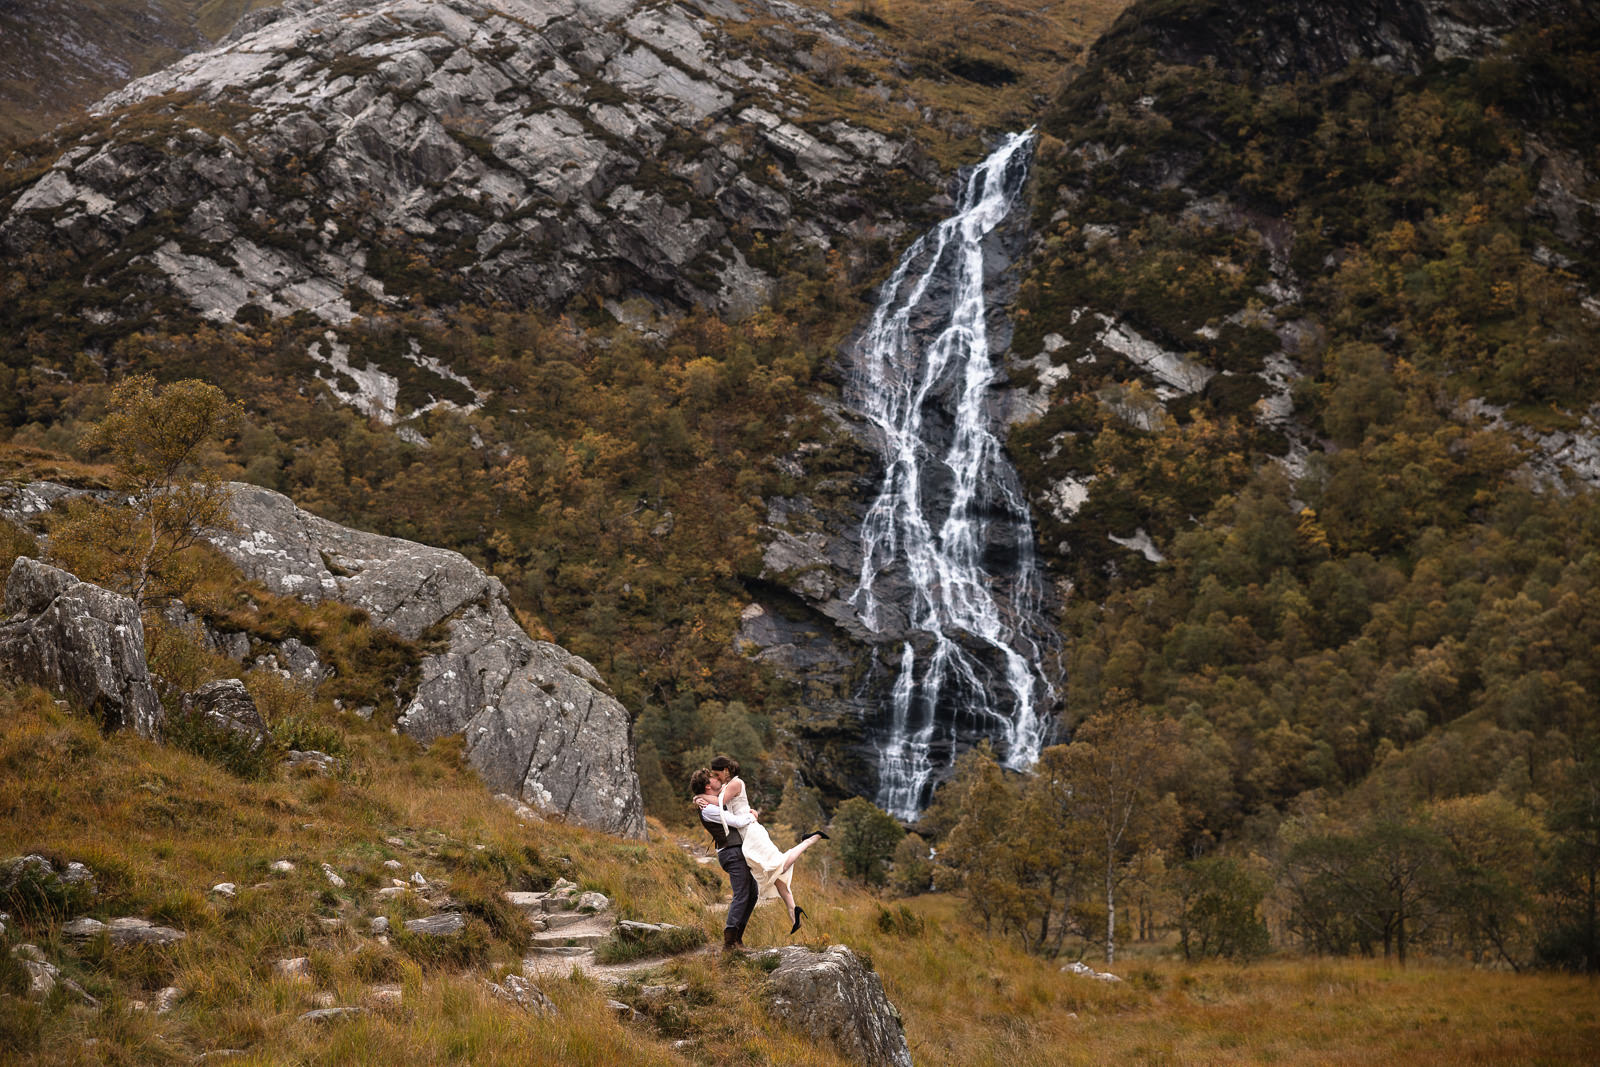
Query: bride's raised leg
point(795, 853)
point(786, 896)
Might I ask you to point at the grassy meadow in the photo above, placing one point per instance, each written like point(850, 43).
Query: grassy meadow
point(160, 826)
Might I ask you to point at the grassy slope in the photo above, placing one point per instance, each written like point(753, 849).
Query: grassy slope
point(160, 826)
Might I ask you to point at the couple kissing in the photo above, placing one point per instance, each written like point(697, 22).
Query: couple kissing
point(754, 865)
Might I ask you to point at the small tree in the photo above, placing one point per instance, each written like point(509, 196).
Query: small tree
point(1219, 910)
point(1114, 774)
point(913, 868)
point(166, 497)
point(865, 836)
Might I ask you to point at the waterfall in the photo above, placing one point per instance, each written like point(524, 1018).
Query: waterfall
point(948, 563)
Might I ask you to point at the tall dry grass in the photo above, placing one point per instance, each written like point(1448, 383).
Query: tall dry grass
point(160, 827)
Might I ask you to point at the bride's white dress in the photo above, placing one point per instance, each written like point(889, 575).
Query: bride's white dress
point(765, 858)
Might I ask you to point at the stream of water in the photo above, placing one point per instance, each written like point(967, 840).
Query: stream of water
point(950, 522)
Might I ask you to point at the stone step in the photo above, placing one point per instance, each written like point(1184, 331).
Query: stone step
point(573, 936)
point(563, 950)
point(558, 920)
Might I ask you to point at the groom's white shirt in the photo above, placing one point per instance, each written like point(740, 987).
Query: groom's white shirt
point(714, 813)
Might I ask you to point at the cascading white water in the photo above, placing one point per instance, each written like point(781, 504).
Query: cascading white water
point(972, 663)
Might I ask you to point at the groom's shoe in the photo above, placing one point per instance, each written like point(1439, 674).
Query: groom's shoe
point(731, 942)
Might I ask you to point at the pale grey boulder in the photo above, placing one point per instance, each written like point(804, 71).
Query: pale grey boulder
point(834, 997)
point(538, 721)
point(228, 705)
point(82, 641)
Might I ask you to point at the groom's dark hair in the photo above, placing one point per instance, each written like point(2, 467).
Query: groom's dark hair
point(698, 781)
point(726, 763)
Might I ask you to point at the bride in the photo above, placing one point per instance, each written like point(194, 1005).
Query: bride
point(770, 867)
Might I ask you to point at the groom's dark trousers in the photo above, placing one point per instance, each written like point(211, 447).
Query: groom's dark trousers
point(730, 857)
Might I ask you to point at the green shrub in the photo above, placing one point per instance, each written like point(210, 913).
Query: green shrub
point(246, 756)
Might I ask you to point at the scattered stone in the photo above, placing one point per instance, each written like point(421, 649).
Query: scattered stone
point(72, 884)
point(628, 928)
point(227, 705)
point(835, 998)
point(332, 876)
point(592, 901)
point(395, 841)
point(27, 952)
point(281, 867)
point(623, 1011)
point(225, 889)
point(444, 924)
point(324, 999)
point(519, 991)
point(655, 995)
point(131, 931)
point(522, 811)
point(83, 929)
point(389, 892)
point(41, 978)
point(380, 924)
point(331, 923)
point(297, 968)
point(167, 999)
point(417, 879)
point(82, 641)
point(311, 761)
point(386, 994)
point(1082, 969)
point(328, 1015)
point(394, 865)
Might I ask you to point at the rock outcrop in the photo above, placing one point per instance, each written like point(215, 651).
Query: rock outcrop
point(538, 148)
point(227, 705)
point(835, 998)
point(82, 641)
point(537, 719)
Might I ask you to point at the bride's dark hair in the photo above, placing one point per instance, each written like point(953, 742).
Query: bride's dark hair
point(726, 763)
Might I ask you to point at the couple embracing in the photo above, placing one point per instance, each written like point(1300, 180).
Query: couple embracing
point(755, 866)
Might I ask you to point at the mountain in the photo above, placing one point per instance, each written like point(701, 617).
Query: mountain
point(62, 55)
point(1297, 331)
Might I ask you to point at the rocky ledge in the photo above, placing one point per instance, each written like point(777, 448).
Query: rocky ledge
point(538, 721)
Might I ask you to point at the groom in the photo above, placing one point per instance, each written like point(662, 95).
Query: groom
point(730, 856)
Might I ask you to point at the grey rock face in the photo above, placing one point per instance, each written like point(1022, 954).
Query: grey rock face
point(552, 140)
point(80, 640)
point(833, 997)
point(538, 722)
point(228, 705)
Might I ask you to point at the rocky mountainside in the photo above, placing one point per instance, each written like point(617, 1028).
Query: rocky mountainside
point(344, 158)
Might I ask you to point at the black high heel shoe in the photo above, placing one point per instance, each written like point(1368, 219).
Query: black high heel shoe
point(798, 912)
point(816, 833)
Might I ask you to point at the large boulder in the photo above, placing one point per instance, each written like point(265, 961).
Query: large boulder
point(84, 642)
point(539, 723)
point(836, 998)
